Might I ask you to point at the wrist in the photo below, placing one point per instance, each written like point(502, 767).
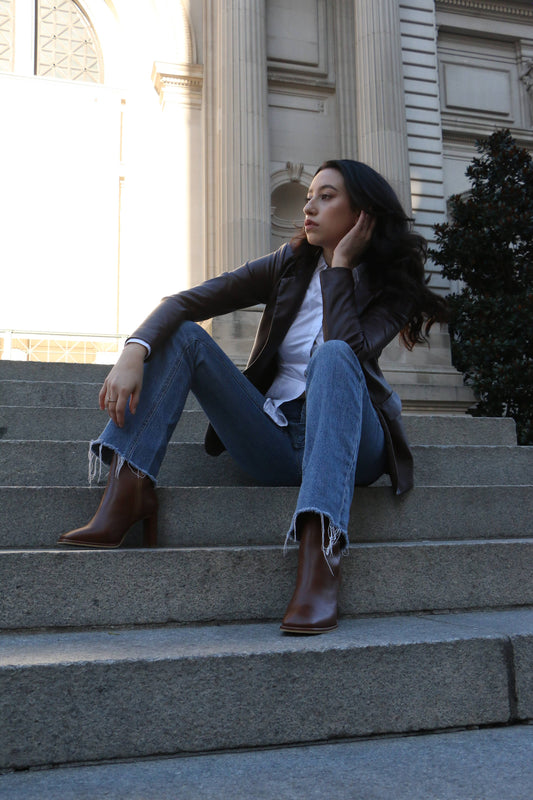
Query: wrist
point(135, 350)
point(341, 262)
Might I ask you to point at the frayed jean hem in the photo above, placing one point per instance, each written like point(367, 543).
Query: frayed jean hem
point(330, 537)
point(98, 456)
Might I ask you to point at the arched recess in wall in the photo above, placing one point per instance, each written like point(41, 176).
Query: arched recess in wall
point(179, 44)
point(176, 75)
point(287, 199)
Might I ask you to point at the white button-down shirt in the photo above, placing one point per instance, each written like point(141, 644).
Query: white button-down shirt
point(304, 335)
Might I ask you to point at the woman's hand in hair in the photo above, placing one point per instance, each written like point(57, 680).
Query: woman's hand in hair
point(350, 249)
point(124, 383)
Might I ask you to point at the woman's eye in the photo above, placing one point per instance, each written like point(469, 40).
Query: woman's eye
point(325, 196)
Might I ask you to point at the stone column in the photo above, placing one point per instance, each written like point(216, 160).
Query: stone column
point(238, 223)
point(381, 124)
point(346, 82)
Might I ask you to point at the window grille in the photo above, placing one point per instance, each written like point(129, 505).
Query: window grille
point(66, 44)
point(7, 30)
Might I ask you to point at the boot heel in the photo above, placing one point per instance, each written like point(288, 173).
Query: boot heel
point(150, 531)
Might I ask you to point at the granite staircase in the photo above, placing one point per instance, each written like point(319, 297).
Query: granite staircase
point(132, 654)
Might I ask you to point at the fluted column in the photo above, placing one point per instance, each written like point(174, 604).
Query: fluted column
point(346, 81)
point(381, 123)
point(237, 128)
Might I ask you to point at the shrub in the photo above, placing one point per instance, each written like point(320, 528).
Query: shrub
point(488, 246)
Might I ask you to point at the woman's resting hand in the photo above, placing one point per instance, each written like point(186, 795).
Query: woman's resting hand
point(350, 249)
point(124, 383)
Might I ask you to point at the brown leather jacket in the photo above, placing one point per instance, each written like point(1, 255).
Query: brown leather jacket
point(367, 320)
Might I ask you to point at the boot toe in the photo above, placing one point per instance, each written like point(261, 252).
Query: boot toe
point(83, 538)
point(305, 620)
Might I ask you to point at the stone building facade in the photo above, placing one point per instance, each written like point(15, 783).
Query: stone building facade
point(149, 145)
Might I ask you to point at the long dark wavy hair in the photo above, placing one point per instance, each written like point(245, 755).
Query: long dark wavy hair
point(396, 254)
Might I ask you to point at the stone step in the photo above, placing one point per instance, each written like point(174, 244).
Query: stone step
point(422, 399)
point(38, 463)
point(35, 394)
point(55, 394)
point(126, 694)
point(27, 422)
point(19, 422)
point(82, 587)
point(84, 394)
point(56, 371)
point(489, 763)
point(198, 516)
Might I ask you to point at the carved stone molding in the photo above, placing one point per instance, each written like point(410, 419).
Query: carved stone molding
point(178, 83)
point(302, 98)
point(294, 171)
point(527, 80)
point(290, 186)
point(467, 134)
point(305, 55)
point(484, 7)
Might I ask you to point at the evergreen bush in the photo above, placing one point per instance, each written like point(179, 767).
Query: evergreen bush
point(488, 246)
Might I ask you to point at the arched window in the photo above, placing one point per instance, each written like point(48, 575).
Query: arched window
point(54, 39)
point(66, 44)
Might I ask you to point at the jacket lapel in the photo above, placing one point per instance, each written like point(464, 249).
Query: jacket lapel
point(277, 319)
point(364, 295)
point(291, 292)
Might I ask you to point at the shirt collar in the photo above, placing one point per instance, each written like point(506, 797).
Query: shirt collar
point(321, 263)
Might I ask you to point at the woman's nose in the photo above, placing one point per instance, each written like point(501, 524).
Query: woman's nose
point(308, 208)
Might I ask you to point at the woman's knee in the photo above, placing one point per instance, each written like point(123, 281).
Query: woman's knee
point(334, 354)
point(188, 332)
point(188, 328)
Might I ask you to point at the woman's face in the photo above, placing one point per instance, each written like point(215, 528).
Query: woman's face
point(328, 214)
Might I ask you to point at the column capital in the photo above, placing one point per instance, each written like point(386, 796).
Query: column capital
point(178, 83)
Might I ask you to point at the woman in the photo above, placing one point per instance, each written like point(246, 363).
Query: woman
point(312, 407)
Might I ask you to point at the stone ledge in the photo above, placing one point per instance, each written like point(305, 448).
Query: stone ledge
point(89, 696)
point(490, 763)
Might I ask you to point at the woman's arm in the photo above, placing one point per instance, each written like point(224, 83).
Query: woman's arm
point(246, 286)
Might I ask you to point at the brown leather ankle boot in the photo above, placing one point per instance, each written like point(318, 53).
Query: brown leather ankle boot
point(127, 499)
point(313, 607)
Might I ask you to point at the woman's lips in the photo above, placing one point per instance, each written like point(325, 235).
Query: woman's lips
point(308, 224)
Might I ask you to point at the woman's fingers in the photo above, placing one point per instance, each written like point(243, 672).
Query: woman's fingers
point(123, 384)
point(352, 246)
point(115, 401)
point(367, 222)
point(134, 399)
point(111, 401)
point(102, 395)
point(118, 409)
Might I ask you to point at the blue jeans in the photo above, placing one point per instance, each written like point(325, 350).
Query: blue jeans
point(333, 441)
